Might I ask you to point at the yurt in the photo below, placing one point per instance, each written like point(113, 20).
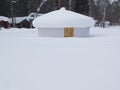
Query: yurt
point(4, 22)
point(63, 23)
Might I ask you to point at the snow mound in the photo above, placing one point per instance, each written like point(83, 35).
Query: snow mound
point(63, 18)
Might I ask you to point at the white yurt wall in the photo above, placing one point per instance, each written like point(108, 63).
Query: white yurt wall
point(51, 32)
point(81, 32)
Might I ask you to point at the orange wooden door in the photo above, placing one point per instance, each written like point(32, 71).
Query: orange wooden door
point(68, 32)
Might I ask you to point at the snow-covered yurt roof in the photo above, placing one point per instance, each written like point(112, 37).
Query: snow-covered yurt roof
point(63, 18)
point(34, 14)
point(2, 18)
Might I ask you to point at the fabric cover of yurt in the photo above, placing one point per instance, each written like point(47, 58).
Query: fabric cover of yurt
point(63, 18)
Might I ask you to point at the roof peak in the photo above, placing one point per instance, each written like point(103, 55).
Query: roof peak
point(63, 8)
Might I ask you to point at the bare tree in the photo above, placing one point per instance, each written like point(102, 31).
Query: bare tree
point(104, 4)
point(41, 4)
point(90, 8)
point(12, 13)
point(102, 9)
point(70, 4)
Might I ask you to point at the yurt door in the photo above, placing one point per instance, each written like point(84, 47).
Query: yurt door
point(68, 32)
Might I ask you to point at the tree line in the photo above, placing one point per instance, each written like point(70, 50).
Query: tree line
point(101, 10)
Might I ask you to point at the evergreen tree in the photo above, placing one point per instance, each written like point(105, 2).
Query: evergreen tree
point(21, 8)
point(113, 13)
point(32, 5)
point(4, 8)
point(101, 10)
point(82, 6)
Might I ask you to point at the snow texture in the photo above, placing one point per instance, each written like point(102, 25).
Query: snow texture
point(63, 18)
point(28, 62)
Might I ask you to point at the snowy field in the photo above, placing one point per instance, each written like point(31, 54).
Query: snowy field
point(29, 62)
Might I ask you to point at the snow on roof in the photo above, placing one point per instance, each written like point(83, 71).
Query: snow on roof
point(63, 18)
point(2, 18)
point(34, 14)
point(20, 19)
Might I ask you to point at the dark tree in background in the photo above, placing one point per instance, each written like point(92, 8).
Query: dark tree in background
point(21, 8)
point(25, 7)
point(113, 13)
point(94, 8)
point(82, 6)
point(51, 5)
point(32, 5)
point(4, 8)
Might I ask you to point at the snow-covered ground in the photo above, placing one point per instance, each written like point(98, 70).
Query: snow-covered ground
point(29, 62)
